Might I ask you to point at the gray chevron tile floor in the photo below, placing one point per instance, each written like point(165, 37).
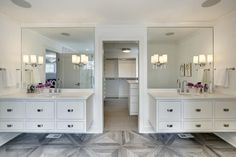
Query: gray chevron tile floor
point(117, 144)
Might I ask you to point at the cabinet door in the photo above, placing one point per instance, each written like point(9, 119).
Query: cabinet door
point(71, 126)
point(71, 110)
point(169, 111)
point(201, 109)
point(11, 125)
point(198, 125)
point(12, 109)
point(225, 110)
point(40, 110)
point(127, 68)
point(40, 125)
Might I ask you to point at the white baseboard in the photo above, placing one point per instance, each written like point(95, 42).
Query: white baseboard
point(5, 137)
point(228, 137)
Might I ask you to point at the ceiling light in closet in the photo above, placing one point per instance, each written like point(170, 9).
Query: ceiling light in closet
point(210, 3)
point(65, 34)
point(22, 3)
point(126, 50)
point(170, 33)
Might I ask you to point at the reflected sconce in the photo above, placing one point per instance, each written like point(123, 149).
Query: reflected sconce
point(202, 60)
point(33, 60)
point(80, 60)
point(159, 61)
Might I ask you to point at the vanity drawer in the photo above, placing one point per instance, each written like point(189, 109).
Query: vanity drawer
point(198, 125)
point(73, 126)
point(169, 111)
point(40, 110)
point(9, 125)
point(201, 110)
point(71, 110)
point(225, 125)
point(225, 110)
point(12, 110)
point(39, 125)
point(169, 125)
point(133, 92)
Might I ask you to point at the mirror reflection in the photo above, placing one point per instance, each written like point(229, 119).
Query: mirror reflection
point(179, 54)
point(58, 57)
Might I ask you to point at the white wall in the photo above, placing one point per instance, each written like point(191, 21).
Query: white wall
point(225, 56)
point(9, 58)
point(10, 49)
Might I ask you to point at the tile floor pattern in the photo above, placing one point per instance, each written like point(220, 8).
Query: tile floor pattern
point(117, 144)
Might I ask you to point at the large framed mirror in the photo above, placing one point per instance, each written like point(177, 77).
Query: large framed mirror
point(179, 54)
point(58, 57)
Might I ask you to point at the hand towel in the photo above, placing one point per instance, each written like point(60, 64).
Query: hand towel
point(222, 77)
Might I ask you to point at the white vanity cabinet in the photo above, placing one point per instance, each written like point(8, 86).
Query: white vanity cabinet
point(133, 99)
point(46, 115)
point(192, 115)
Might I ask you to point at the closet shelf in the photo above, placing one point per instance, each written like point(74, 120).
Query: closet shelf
point(121, 78)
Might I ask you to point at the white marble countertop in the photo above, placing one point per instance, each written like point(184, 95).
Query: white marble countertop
point(132, 81)
point(49, 96)
point(176, 96)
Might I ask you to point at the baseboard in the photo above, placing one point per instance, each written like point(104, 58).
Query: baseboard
point(5, 137)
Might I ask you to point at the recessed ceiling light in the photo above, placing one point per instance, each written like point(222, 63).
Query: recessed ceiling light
point(65, 34)
point(170, 33)
point(126, 50)
point(22, 3)
point(210, 3)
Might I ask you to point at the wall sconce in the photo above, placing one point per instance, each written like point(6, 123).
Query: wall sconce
point(33, 60)
point(79, 60)
point(159, 61)
point(202, 60)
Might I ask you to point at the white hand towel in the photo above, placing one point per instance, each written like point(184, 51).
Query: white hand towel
point(221, 77)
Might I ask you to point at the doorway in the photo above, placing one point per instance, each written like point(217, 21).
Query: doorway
point(120, 85)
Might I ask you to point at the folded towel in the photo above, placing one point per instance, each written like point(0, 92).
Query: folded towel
point(222, 77)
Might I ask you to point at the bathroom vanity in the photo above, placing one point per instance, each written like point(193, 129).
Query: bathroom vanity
point(173, 112)
point(69, 112)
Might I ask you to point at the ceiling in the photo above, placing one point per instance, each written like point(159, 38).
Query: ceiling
point(79, 39)
point(159, 34)
point(116, 12)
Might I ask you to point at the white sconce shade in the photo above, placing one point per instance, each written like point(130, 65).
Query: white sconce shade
point(202, 59)
point(33, 59)
point(40, 60)
point(152, 60)
point(84, 59)
point(156, 58)
point(26, 59)
point(74, 59)
point(195, 59)
point(77, 59)
point(165, 58)
point(161, 59)
point(209, 59)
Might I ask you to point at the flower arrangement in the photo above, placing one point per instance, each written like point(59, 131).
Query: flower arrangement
point(199, 87)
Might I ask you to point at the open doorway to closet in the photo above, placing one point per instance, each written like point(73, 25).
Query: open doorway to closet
point(121, 85)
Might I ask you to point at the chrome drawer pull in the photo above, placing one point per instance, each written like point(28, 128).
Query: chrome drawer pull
point(70, 110)
point(198, 110)
point(40, 125)
point(9, 110)
point(9, 125)
point(39, 110)
point(169, 125)
point(226, 125)
point(70, 126)
point(198, 125)
point(226, 110)
point(169, 110)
